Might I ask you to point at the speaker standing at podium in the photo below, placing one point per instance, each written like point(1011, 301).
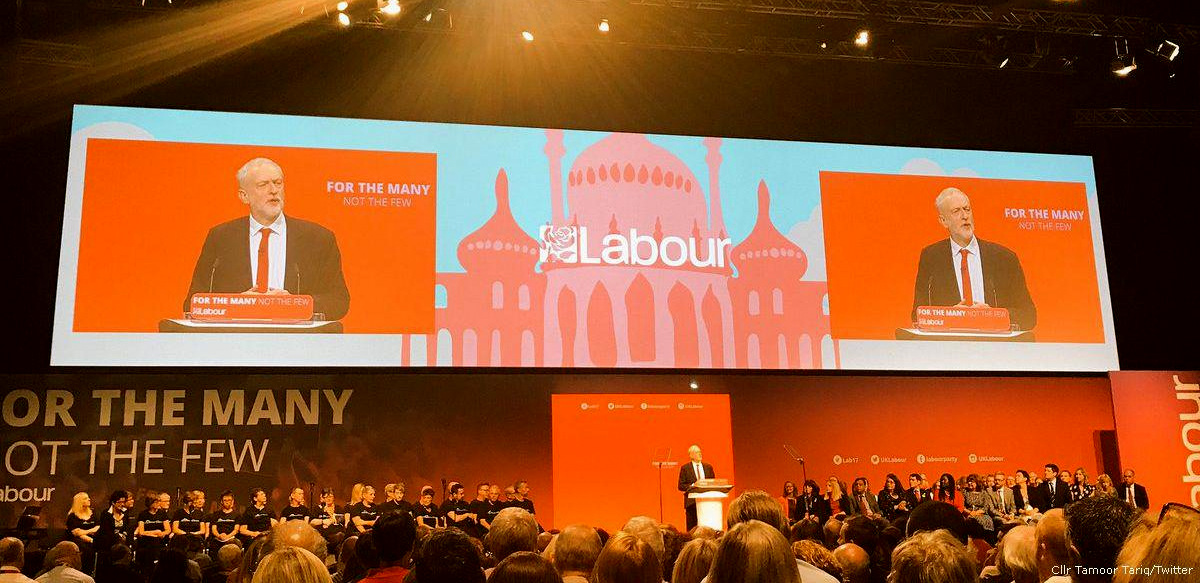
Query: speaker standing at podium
point(267, 253)
point(963, 270)
point(689, 474)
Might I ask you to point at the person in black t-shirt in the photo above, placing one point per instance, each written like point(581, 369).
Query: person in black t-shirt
point(190, 520)
point(364, 514)
point(330, 520)
point(131, 515)
point(425, 511)
point(112, 526)
point(394, 493)
point(257, 520)
point(510, 495)
point(494, 507)
point(223, 524)
point(295, 510)
point(458, 511)
point(82, 527)
point(478, 509)
point(521, 499)
point(153, 531)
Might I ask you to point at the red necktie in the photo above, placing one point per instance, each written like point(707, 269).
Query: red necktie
point(264, 263)
point(966, 278)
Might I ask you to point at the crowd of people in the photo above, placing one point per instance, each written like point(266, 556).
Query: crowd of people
point(920, 534)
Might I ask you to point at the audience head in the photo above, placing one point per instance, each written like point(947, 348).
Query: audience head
point(172, 567)
point(120, 554)
point(626, 559)
point(513, 530)
point(297, 533)
point(576, 549)
point(833, 530)
point(12, 552)
point(228, 556)
point(855, 562)
point(394, 535)
point(701, 531)
point(64, 553)
point(935, 515)
point(756, 505)
point(447, 556)
point(807, 529)
point(646, 529)
point(694, 561)
point(1052, 546)
point(1017, 555)
point(291, 565)
point(1096, 529)
point(817, 555)
point(1172, 541)
point(932, 557)
point(524, 567)
point(754, 552)
point(862, 531)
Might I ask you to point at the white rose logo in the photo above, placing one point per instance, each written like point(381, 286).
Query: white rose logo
point(558, 244)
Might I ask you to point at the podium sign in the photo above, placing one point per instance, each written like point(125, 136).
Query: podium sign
point(251, 308)
point(962, 319)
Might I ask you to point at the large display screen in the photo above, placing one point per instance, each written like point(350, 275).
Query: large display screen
point(222, 239)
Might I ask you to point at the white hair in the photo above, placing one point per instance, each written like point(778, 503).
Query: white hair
point(947, 193)
point(244, 171)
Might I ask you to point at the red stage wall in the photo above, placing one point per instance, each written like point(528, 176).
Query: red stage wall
point(879, 425)
point(1158, 432)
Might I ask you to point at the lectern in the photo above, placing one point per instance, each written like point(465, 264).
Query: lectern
point(710, 498)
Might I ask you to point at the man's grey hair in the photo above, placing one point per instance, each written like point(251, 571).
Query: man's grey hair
point(1018, 553)
point(947, 193)
point(646, 528)
point(513, 530)
point(229, 555)
point(246, 168)
point(64, 553)
point(12, 552)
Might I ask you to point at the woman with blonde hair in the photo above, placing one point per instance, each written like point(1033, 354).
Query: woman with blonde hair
point(291, 565)
point(1104, 486)
point(754, 552)
point(1080, 488)
point(356, 494)
point(627, 559)
point(837, 502)
point(1171, 543)
point(694, 561)
point(81, 529)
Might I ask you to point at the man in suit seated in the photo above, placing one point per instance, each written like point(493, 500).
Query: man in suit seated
point(1055, 493)
point(1131, 492)
point(865, 502)
point(963, 270)
point(689, 474)
point(268, 253)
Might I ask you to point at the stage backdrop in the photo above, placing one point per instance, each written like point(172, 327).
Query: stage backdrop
point(67, 433)
point(1158, 432)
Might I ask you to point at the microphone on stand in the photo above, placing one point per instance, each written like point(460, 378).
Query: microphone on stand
point(213, 273)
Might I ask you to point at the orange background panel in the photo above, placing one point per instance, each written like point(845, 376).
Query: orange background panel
point(1153, 413)
point(148, 205)
point(877, 224)
point(602, 458)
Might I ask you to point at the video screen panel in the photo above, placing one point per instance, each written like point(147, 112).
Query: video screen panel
point(222, 239)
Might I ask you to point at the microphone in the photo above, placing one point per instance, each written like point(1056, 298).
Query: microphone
point(929, 292)
point(213, 273)
point(296, 269)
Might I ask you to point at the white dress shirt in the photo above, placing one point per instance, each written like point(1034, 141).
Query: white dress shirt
point(974, 267)
point(13, 575)
point(65, 574)
point(698, 468)
point(276, 251)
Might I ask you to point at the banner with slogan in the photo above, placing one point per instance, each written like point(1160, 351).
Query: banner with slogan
point(452, 245)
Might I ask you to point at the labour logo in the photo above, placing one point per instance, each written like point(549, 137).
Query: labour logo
point(558, 244)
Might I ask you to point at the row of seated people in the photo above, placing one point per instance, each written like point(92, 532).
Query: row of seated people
point(994, 501)
point(1099, 539)
point(195, 525)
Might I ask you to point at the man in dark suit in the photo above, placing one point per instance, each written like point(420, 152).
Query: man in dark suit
point(1055, 493)
point(1133, 493)
point(963, 270)
point(689, 474)
point(267, 253)
point(865, 502)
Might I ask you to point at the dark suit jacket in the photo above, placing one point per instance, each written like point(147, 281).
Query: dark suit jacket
point(1139, 494)
point(314, 265)
point(1003, 281)
point(872, 504)
point(687, 477)
point(1060, 499)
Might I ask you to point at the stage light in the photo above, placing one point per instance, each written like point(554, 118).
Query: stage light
point(824, 45)
point(603, 25)
point(863, 38)
point(1123, 64)
point(392, 8)
point(343, 19)
point(429, 17)
point(1167, 50)
point(1003, 63)
point(528, 36)
point(694, 385)
point(342, 6)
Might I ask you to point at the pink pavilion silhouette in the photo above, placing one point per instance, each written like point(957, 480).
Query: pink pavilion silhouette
point(510, 309)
